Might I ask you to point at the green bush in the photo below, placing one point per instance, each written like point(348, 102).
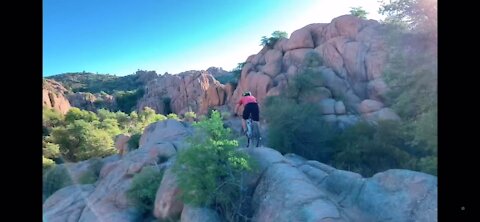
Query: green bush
point(47, 163)
point(428, 165)
point(51, 150)
point(127, 100)
point(190, 115)
point(412, 79)
point(209, 170)
point(134, 141)
point(225, 79)
point(368, 149)
point(270, 41)
point(104, 114)
point(359, 12)
point(139, 121)
point(77, 114)
point(173, 116)
point(51, 118)
point(295, 123)
point(298, 128)
point(92, 173)
point(110, 126)
point(210, 111)
point(425, 129)
point(416, 15)
point(54, 179)
point(80, 140)
point(143, 189)
point(84, 134)
point(237, 71)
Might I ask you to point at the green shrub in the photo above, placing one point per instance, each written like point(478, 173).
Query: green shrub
point(425, 129)
point(51, 118)
point(304, 87)
point(190, 115)
point(110, 126)
point(428, 165)
point(298, 128)
point(412, 80)
point(134, 141)
point(359, 12)
point(420, 16)
point(54, 179)
point(368, 149)
point(173, 116)
point(80, 140)
point(237, 71)
point(295, 123)
point(270, 41)
point(146, 117)
point(143, 189)
point(209, 171)
point(106, 114)
point(92, 173)
point(127, 100)
point(77, 114)
point(47, 163)
point(225, 79)
point(51, 150)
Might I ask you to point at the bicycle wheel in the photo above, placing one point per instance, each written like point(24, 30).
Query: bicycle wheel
point(256, 134)
point(249, 132)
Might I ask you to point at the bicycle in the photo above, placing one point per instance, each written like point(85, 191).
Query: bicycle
point(253, 132)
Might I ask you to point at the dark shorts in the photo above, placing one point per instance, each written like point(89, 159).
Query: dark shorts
point(251, 108)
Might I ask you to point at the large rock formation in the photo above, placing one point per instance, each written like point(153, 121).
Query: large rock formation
point(217, 72)
point(292, 188)
point(54, 96)
point(354, 55)
point(188, 91)
point(283, 188)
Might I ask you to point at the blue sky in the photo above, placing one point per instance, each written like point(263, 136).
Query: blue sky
point(121, 36)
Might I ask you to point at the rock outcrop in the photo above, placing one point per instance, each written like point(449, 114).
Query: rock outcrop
point(217, 72)
point(188, 91)
point(91, 102)
point(106, 199)
point(292, 188)
point(121, 144)
point(54, 96)
point(353, 54)
point(283, 187)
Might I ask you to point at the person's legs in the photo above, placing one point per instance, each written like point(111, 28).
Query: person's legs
point(244, 125)
point(245, 115)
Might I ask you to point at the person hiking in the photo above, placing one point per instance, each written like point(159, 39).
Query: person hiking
point(250, 108)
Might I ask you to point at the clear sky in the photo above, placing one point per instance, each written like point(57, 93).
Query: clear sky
point(121, 36)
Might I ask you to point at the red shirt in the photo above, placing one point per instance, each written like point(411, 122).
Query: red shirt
point(247, 99)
